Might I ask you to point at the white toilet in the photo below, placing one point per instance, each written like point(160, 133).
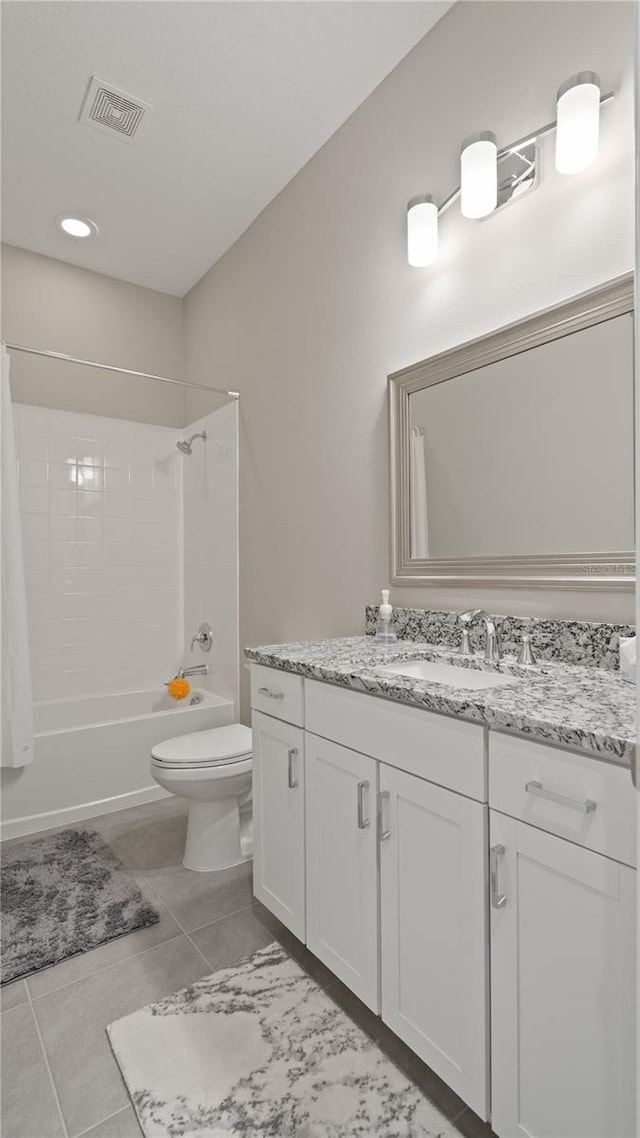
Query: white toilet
point(213, 770)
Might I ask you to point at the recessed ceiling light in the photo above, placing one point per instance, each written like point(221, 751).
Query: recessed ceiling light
point(77, 226)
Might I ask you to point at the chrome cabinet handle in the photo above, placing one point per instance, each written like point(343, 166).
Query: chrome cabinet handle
point(362, 821)
point(291, 755)
point(271, 694)
point(383, 835)
point(585, 806)
point(498, 899)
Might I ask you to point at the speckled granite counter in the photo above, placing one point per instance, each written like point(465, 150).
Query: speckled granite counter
point(574, 706)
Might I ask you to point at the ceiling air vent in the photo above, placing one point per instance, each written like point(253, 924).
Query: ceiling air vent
point(113, 111)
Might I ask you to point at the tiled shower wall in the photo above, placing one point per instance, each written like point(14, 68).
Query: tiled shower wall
point(211, 547)
point(101, 504)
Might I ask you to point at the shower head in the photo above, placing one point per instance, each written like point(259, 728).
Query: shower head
point(186, 445)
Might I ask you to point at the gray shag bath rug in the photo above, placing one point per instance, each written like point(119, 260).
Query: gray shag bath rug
point(61, 895)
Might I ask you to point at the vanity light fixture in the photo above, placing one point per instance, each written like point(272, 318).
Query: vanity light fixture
point(479, 175)
point(578, 119)
point(76, 226)
point(490, 178)
point(422, 231)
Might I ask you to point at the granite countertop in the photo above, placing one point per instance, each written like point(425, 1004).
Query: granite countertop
point(571, 705)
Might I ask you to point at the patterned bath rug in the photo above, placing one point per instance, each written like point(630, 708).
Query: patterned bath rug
point(60, 895)
point(260, 1051)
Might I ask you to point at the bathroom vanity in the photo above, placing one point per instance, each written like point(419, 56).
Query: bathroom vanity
point(463, 859)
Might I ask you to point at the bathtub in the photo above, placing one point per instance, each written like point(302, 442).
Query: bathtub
point(92, 755)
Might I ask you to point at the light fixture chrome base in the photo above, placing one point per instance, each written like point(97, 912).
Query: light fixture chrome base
point(517, 173)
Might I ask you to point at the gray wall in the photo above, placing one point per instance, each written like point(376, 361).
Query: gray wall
point(59, 307)
point(315, 304)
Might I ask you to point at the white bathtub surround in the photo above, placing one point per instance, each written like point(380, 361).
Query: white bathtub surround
point(260, 1048)
point(16, 717)
point(100, 501)
point(210, 481)
point(114, 554)
point(92, 755)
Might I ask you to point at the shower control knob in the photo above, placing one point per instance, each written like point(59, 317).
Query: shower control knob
point(203, 637)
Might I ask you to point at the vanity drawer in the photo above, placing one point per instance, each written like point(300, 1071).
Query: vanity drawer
point(277, 693)
point(442, 749)
point(608, 827)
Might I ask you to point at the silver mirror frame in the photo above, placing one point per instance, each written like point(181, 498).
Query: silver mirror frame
point(588, 570)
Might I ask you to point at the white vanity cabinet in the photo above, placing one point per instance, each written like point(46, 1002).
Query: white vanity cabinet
point(440, 870)
point(434, 928)
point(342, 864)
point(278, 820)
point(562, 944)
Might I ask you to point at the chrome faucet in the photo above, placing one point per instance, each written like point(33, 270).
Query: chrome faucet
point(492, 653)
point(203, 637)
point(196, 670)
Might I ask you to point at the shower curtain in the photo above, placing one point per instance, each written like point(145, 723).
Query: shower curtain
point(419, 518)
point(17, 698)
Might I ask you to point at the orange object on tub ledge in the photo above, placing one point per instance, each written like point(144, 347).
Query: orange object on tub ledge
point(178, 688)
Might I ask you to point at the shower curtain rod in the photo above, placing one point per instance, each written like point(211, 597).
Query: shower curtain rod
point(121, 370)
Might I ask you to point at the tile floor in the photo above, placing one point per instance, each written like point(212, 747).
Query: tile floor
point(59, 1078)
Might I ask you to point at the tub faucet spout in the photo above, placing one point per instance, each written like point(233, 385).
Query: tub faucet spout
point(196, 670)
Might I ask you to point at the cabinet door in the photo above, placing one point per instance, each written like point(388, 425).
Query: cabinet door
point(342, 864)
point(562, 991)
point(278, 820)
point(434, 928)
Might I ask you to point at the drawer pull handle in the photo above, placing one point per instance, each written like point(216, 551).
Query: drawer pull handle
point(498, 899)
point(271, 694)
point(291, 755)
point(383, 835)
point(586, 806)
point(362, 821)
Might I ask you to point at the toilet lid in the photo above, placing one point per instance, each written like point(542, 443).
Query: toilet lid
point(218, 745)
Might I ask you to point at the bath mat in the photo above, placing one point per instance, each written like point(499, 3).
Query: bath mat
point(260, 1050)
point(60, 895)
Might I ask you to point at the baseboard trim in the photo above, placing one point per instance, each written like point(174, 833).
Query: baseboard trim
point(33, 823)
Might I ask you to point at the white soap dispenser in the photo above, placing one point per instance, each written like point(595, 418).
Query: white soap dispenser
point(386, 633)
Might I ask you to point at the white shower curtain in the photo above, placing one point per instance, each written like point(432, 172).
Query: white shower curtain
point(17, 698)
point(419, 516)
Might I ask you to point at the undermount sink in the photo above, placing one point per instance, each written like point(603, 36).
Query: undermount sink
point(436, 673)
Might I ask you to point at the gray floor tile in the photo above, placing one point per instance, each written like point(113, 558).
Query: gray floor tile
point(228, 941)
point(153, 839)
point(197, 899)
point(11, 995)
point(29, 1108)
point(159, 807)
point(124, 1124)
point(73, 1021)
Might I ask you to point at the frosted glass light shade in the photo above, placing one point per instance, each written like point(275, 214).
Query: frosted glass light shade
point(479, 175)
point(422, 232)
point(578, 123)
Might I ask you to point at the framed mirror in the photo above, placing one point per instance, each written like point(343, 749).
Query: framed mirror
point(512, 456)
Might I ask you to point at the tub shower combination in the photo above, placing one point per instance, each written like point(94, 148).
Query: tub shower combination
point(91, 751)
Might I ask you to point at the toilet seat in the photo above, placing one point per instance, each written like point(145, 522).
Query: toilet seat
point(217, 747)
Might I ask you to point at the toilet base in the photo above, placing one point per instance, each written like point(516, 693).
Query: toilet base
point(219, 836)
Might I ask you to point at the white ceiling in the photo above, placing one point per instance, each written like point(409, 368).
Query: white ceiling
point(244, 93)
